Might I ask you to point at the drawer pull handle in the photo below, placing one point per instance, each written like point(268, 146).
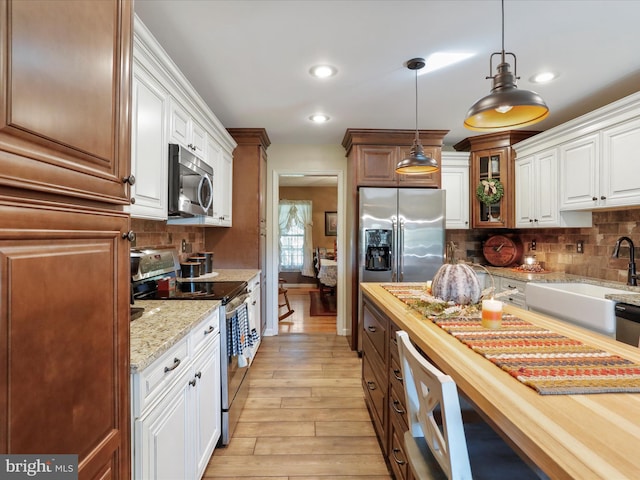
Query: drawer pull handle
point(192, 382)
point(199, 375)
point(398, 461)
point(209, 330)
point(396, 373)
point(397, 410)
point(176, 362)
point(371, 385)
point(372, 329)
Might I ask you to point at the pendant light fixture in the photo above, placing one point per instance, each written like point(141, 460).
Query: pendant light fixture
point(417, 162)
point(506, 106)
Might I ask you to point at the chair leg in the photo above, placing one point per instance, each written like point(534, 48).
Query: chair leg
point(283, 292)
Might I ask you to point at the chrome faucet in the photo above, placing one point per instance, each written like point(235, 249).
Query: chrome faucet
point(631, 273)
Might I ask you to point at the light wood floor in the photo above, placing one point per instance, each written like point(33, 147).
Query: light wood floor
point(305, 417)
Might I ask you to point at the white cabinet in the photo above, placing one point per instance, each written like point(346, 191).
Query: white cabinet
point(516, 298)
point(186, 130)
point(620, 172)
point(255, 316)
point(455, 181)
point(148, 145)
point(176, 407)
point(579, 165)
point(222, 164)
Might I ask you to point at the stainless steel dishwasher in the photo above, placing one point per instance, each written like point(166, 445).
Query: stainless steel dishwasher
point(628, 323)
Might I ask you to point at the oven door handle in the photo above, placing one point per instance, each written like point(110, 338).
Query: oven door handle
point(241, 300)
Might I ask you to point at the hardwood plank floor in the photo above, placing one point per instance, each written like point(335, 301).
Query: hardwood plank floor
point(305, 418)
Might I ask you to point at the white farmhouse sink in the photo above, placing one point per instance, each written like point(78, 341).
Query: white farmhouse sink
point(579, 303)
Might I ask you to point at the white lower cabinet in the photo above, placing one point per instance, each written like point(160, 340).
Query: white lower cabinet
point(516, 298)
point(176, 432)
point(254, 309)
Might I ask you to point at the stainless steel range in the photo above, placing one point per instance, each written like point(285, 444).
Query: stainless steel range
point(155, 276)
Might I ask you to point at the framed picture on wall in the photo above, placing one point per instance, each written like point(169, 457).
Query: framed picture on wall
point(331, 224)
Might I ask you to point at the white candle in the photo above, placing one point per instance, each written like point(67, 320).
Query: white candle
point(491, 313)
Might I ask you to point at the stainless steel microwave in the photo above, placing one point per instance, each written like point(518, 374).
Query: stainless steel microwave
point(190, 184)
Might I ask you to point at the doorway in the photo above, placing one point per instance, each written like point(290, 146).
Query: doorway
point(324, 190)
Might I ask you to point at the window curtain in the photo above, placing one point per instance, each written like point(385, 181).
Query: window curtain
point(299, 211)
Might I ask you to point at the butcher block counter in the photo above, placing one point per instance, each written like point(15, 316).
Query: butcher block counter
point(568, 436)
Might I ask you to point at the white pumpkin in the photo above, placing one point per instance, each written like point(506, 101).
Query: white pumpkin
point(456, 283)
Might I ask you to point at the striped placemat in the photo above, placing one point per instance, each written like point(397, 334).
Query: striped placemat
point(550, 363)
point(546, 361)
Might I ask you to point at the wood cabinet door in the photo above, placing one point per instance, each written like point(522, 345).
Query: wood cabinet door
point(64, 335)
point(376, 166)
point(65, 97)
point(487, 165)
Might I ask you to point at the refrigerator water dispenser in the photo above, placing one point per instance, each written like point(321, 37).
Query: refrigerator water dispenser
point(378, 250)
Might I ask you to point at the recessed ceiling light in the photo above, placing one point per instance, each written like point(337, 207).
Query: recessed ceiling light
point(439, 60)
point(543, 77)
point(319, 118)
point(323, 71)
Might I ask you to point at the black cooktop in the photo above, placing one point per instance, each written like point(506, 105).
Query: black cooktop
point(223, 291)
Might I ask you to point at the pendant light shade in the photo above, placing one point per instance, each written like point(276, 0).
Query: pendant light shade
point(505, 106)
point(417, 162)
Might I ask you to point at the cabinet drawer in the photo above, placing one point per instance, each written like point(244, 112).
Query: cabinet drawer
point(205, 332)
point(509, 284)
point(376, 331)
point(396, 383)
point(397, 456)
point(159, 376)
point(375, 392)
point(393, 343)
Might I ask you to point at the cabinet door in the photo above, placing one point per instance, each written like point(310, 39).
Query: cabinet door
point(65, 121)
point(620, 181)
point(179, 125)
point(148, 147)
point(226, 190)
point(488, 165)
point(64, 334)
point(579, 176)
point(198, 139)
point(455, 181)
point(207, 415)
point(376, 166)
point(428, 180)
point(524, 185)
point(165, 448)
point(546, 189)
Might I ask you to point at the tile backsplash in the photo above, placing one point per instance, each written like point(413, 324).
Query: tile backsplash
point(556, 248)
point(151, 233)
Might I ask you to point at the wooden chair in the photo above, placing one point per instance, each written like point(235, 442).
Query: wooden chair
point(283, 292)
point(436, 445)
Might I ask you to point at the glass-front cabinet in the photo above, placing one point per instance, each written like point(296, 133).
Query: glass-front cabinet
point(492, 177)
point(489, 170)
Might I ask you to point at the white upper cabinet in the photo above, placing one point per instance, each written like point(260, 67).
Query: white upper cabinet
point(455, 181)
point(186, 131)
point(596, 169)
point(148, 145)
point(167, 109)
point(222, 164)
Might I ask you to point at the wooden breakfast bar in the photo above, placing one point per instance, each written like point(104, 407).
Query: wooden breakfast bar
point(567, 436)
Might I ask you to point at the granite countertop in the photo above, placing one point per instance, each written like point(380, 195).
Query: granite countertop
point(234, 275)
point(163, 324)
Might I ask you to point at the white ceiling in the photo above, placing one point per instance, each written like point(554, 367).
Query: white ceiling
point(249, 60)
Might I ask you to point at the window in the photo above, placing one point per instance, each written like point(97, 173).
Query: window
point(295, 236)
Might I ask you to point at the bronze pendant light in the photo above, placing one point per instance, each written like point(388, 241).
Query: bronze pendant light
point(506, 106)
point(417, 162)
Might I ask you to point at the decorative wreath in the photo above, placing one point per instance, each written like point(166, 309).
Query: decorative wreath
point(490, 191)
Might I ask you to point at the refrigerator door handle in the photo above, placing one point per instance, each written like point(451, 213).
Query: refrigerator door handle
point(394, 249)
point(401, 250)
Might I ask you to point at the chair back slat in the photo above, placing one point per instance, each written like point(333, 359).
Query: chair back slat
point(426, 390)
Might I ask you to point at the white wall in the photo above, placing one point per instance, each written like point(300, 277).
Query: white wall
point(308, 160)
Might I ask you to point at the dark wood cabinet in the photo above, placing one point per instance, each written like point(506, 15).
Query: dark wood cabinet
point(64, 256)
point(245, 244)
point(71, 60)
point(383, 387)
point(493, 158)
point(372, 156)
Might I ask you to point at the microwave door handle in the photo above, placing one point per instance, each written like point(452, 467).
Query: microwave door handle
point(204, 179)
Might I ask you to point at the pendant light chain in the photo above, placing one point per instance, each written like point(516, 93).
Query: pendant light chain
point(502, 31)
point(416, 103)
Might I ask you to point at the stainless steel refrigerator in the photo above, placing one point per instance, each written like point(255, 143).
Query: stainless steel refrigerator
point(401, 236)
